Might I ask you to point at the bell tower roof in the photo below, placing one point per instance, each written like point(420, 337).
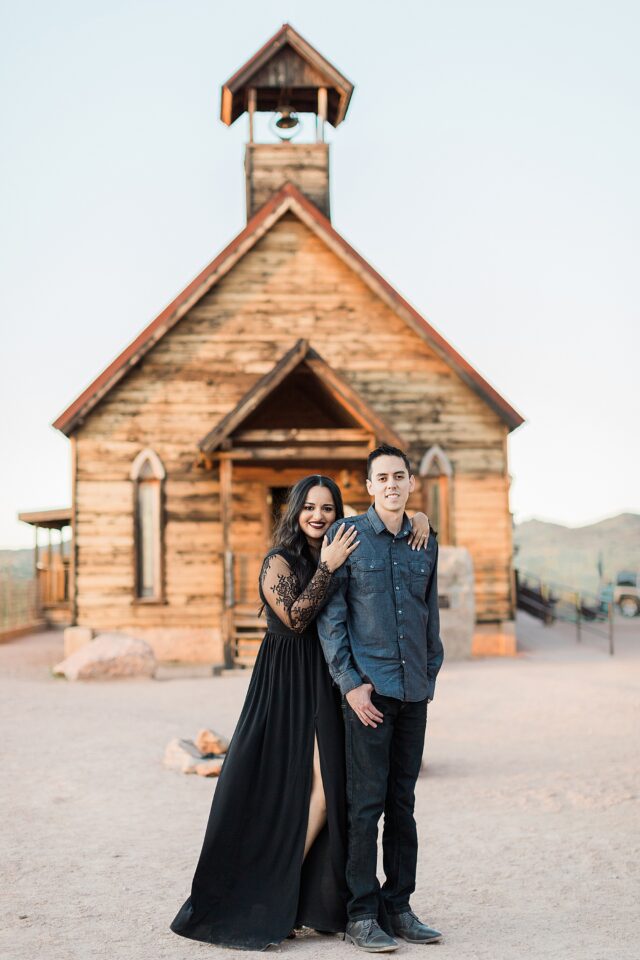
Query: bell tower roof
point(286, 65)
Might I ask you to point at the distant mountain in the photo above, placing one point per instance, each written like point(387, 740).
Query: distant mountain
point(569, 555)
point(18, 564)
point(558, 554)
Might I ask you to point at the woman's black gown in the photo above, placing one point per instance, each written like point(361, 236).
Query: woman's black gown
point(251, 886)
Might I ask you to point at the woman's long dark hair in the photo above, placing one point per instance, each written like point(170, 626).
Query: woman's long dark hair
point(288, 533)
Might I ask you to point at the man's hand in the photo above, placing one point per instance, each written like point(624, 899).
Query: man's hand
point(359, 699)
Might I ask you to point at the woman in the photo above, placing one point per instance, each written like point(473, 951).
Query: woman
point(273, 856)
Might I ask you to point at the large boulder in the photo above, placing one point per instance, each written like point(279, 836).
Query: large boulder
point(110, 656)
point(76, 637)
point(456, 601)
point(209, 743)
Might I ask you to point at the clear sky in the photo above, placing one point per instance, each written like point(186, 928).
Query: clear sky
point(488, 167)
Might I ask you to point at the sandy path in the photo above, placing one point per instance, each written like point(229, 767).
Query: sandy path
point(529, 814)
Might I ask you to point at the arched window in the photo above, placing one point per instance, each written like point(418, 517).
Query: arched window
point(148, 475)
point(436, 473)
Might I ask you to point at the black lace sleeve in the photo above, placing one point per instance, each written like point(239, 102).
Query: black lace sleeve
point(281, 590)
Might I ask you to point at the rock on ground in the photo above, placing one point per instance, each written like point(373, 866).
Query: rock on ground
point(209, 742)
point(187, 757)
point(182, 755)
point(110, 656)
point(210, 768)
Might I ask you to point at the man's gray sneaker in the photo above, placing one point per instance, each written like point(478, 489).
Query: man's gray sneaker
point(407, 926)
point(368, 935)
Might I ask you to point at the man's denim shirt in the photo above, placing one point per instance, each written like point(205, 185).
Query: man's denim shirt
point(381, 624)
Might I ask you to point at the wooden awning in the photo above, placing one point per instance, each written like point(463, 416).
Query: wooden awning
point(286, 63)
point(49, 519)
point(301, 409)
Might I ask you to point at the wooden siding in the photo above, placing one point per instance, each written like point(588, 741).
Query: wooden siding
point(289, 286)
point(482, 523)
point(268, 166)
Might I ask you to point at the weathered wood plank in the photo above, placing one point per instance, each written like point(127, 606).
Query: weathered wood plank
point(339, 435)
point(256, 454)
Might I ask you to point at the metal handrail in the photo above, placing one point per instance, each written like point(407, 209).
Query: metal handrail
point(564, 603)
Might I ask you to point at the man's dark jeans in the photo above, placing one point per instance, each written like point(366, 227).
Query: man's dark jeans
point(382, 768)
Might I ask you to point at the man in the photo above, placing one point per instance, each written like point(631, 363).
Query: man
point(380, 633)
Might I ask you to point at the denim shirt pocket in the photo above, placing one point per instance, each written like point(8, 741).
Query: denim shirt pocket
point(418, 576)
point(368, 573)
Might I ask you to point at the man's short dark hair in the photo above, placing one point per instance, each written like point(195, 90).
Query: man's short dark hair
point(386, 450)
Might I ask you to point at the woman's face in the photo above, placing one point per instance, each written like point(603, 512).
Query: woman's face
point(317, 514)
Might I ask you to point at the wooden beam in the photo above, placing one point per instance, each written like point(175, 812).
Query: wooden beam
point(37, 575)
point(322, 113)
point(56, 519)
point(320, 435)
point(226, 504)
point(319, 452)
point(73, 558)
point(252, 110)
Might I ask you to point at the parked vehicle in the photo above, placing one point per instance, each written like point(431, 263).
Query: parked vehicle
point(626, 593)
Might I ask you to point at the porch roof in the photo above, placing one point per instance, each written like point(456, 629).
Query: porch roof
point(51, 519)
point(361, 423)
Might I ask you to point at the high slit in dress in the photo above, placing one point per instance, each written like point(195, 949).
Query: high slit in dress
point(251, 886)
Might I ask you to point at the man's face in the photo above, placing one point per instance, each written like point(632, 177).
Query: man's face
point(390, 483)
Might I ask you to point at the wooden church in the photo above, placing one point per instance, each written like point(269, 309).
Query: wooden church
point(289, 354)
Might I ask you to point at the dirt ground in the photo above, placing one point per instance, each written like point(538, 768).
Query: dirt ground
point(528, 812)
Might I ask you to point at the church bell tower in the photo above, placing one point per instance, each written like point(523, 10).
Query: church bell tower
point(287, 77)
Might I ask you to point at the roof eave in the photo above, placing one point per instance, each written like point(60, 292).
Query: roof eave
point(285, 35)
point(300, 353)
point(71, 418)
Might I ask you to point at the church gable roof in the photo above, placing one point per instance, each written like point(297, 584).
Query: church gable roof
point(288, 198)
point(349, 406)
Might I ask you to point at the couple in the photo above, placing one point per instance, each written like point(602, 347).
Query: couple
point(292, 834)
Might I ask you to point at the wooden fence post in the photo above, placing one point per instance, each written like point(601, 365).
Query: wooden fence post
point(610, 610)
point(226, 499)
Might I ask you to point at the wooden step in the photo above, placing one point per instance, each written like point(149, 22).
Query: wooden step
point(244, 661)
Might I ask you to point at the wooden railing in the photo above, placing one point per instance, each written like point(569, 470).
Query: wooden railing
point(248, 628)
point(18, 603)
point(551, 601)
point(53, 581)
